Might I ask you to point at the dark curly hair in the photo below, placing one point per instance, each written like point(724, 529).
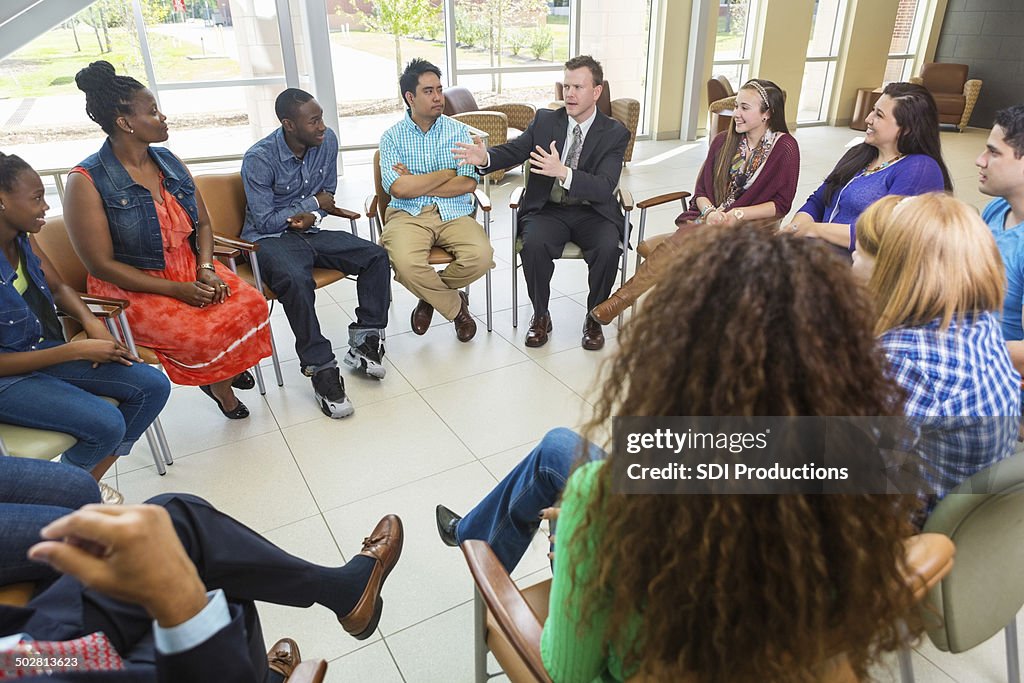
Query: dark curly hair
point(107, 95)
point(747, 588)
point(11, 165)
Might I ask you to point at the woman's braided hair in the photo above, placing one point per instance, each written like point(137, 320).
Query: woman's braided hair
point(107, 95)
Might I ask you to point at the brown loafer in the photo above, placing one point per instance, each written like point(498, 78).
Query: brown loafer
point(465, 325)
point(540, 326)
point(384, 544)
point(421, 316)
point(283, 657)
point(593, 336)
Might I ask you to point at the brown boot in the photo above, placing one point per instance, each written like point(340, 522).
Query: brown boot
point(646, 276)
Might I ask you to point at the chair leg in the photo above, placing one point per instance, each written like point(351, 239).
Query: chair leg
point(487, 285)
point(625, 259)
point(154, 447)
point(1012, 654)
point(259, 379)
point(161, 438)
point(515, 274)
point(479, 638)
point(906, 666)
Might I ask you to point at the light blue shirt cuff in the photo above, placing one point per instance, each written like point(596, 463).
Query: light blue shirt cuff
point(568, 179)
point(195, 631)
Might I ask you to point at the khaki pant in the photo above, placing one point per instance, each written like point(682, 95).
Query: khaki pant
point(408, 240)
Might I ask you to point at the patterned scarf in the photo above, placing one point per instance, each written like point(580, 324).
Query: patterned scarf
point(745, 165)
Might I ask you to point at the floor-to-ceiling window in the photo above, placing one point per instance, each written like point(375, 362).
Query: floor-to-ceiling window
point(822, 56)
point(906, 38)
point(734, 40)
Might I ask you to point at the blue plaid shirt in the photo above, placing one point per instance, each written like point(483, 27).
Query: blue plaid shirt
point(963, 396)
point(423, 153)
point(279, 185)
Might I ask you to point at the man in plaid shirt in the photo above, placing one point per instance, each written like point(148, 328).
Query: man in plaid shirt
point(432, 204)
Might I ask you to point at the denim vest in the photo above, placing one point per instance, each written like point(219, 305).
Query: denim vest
point(130, 209)
point(20, 329)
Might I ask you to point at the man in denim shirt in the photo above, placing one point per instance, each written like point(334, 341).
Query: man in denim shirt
point(432, 204)
point(290, 177)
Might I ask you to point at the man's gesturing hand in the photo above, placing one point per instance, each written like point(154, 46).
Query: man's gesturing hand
point(548, 163)
point(475, 154)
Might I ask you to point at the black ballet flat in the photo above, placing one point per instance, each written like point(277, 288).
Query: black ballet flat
point(239, 413)
point(244, 380)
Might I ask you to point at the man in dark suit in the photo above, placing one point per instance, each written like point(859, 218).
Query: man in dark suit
point(172, 586)
point(576, 155)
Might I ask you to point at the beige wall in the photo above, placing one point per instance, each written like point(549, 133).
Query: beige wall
point(673, 27)
point(784, 27)
point(863, 54)
point(614, 32)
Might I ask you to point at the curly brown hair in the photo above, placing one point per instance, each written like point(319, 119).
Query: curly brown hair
point(748, 588)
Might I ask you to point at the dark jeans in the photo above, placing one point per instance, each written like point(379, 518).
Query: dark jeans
point(34, 493)
point(66, 398)
point(286, 266)
point(508, 517)
point(544, 236)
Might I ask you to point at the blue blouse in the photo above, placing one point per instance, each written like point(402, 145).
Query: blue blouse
point(912, 175)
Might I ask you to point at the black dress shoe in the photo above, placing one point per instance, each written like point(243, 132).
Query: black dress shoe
point(244, 381)
point(593, 336)
point(446, 523)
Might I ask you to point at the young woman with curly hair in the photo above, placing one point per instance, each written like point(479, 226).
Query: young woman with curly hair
point(737, 588)
point(937, 280)
point(718, 588)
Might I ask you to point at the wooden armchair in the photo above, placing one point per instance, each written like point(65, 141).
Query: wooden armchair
point(508, 622)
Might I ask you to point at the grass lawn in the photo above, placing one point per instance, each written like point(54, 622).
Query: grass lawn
point(47, 65)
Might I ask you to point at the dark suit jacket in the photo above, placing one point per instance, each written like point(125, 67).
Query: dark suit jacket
point(232, 655)
point(598, 171)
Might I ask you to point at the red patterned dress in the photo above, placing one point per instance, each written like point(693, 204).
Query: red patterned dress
point(195, 345)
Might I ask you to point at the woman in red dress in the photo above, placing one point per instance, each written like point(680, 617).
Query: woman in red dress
point(140, 226)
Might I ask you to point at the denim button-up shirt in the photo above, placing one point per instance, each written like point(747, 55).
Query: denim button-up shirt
point(20, 329)
point(279, 185)
point(131, 211)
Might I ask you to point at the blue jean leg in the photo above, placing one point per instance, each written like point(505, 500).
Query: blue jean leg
point(34, 493)
point(509, 515)
point(66, 398)
point(287, 262)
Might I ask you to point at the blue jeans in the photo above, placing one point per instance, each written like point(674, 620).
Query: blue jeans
point(508, 517)
point(34, 493)
point(286, 266)
point(66, 398)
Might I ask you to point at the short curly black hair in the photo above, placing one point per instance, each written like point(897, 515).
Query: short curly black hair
point(1011, 120)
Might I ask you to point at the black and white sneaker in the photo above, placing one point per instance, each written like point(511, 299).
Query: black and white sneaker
point(367, 357)
point(329, 390)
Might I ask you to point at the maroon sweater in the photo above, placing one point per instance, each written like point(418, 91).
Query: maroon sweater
point(775, 183)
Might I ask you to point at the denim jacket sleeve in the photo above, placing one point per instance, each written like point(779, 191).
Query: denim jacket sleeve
point(258, 179)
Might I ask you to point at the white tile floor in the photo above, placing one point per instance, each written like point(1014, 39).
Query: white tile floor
point(446, 423)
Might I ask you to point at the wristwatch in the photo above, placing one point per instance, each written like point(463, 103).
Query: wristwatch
point(317, 218)
point(737, 214)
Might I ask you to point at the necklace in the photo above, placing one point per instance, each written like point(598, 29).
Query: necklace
point(882, 166)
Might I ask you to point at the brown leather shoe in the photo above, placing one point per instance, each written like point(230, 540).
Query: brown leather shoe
point(465, 325)
point(540, 325)
point(593, 335)
point(421, 316)
point(283, 657)
point(384, 544)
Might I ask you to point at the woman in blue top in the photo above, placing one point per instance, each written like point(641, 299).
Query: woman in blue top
point(901, 155)
point(59, 384)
